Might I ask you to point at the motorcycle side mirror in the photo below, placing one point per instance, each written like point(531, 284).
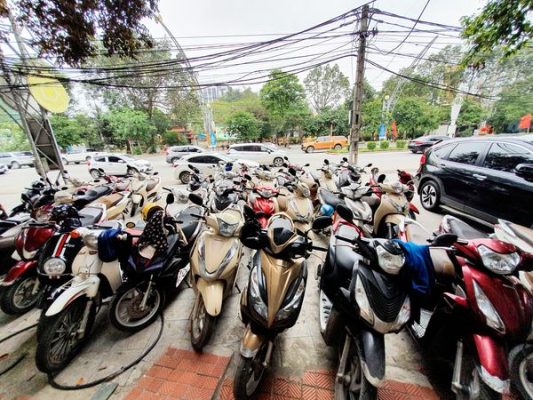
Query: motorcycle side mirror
point(248, 212)
point(247, 177)
point(344, 212)
point(381, 178)
point(444, 240)
point(170, 198)
point(254, 243)
point(368, 165)
point(196, 199)
point(344, 159)
point(285, 165)
point(155, 173)
point(292, 171)
point(321, 223)
point(286, 158)
point(326, 161)
point(307, 165)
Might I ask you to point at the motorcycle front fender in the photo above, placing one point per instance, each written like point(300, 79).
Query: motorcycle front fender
point(373, 354)
point(251, 343)
point(493, 362)
point(80, 287)
point(18, 270)
point(212, 293)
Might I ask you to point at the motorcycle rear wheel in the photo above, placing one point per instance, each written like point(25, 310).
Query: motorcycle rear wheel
point(522, 372)
point(202, 325)
point(250, 372)
point(124, 312)
point(58, 342)
point(18, 298)
point(357, 387)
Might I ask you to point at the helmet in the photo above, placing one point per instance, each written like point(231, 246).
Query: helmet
point(148, 210)
point(63, 212)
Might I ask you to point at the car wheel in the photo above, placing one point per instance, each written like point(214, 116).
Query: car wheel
point(173, 160)
point(310, 149)
point(131, 171)
point(278, 162)
point(95, 173)
point(337, 147)
point(15, 165)
point(414, 151)
point(430, 195)
point(185, 177)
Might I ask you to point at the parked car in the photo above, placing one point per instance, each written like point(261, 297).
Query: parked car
point(206, 163)
point(486, 177)
point(325, 143)
point(174, 153)
point(78, 156)
point(17, 159)
point(3, 169)
point(118, 164)
point(259, 152)
point(422, 143)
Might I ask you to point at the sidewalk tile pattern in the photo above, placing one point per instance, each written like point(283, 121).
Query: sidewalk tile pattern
point(181, 374)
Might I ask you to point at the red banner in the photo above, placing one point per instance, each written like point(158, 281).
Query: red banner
point(394, 130)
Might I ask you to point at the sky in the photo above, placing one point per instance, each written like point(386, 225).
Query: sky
point(187, 20)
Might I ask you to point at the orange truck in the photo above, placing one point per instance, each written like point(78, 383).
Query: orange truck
point(324, 143)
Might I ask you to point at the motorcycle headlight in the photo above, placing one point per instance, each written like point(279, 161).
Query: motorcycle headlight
point(498, 263)
point(293, 305)
point(54, 266)
point(306, 192)
point(226, 229)
point(267, 194)
point(488, 310)
point(91, 240)
point(255, 295)
point(362, 301)
point(397, 187)
point(390, 263)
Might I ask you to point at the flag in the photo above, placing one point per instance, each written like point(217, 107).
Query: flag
point(525, 122)
point(394, 129)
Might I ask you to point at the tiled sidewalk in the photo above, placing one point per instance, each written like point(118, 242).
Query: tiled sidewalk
point(181, 374)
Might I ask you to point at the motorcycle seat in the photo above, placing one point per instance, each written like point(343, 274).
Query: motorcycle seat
point(92, 194)
point(152, 183)
point(330, 198)
point(90, 215)
point(188, 222)
point(159, 260)
point(344, 257)
point(110, 200)
point(462, 229)
point(110, 224)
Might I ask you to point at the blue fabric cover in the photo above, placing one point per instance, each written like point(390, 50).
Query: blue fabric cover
point(418, 268)
point(107, 247)
point(327, 210)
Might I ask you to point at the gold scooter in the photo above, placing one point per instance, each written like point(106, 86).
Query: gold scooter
point(273, 298)
point(215, 259)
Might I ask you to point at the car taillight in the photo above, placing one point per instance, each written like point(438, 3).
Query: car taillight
point(418, 142)
point(423, 159)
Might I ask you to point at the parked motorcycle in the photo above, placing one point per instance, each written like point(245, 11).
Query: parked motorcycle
point(215, 260)
point(483, 315)
point(273, 298)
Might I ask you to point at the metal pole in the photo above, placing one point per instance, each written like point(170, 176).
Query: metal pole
point(358, 92)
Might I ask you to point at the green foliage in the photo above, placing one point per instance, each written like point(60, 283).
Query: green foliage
point(173, 138)
point(127, 124)
point(326, 87)
point(371, 117)
point(470, 116)
point(12, 138)
point(371, 146)
point(400, 144)
point(383, 144)
point(515, 101)
point(329, 119)
point(501, 23)
point(71, 131)
point(244, 125)
point(414, 117)
point(66, 29)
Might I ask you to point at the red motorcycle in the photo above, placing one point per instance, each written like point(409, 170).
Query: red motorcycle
point(481, 312)
point(264, 203)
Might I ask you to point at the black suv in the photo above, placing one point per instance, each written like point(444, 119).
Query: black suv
point(486, 177)
point(419, 144)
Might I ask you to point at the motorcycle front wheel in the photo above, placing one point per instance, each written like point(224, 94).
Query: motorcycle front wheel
point(522, 372)
point(471, 380)
point(60, 340)
point(354, 385)
point(250, 372)
point(127, 313)
point(20, 297)
point(202, 325)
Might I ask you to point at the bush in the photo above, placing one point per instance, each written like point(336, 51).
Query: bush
point(137, 151)
point(371, 146)
point(400, 144)
point(383, 145)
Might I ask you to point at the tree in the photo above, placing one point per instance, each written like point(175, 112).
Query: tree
point(501, 23)
point(243, 125)
point(470, 116)
point(65, 29)
point(70, 131)
point(414, 117)
point(334, 120)
point(515, 101)
point(12, 138)
point(326, 86)
point(282, 95)
point(127, 124)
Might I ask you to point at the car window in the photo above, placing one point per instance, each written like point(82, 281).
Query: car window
point(236, 148)
point(506, 156)
point(323, 139)
point(466, 153)
point(99, 159)
point(204, 160)
point(265, 149)
point(252, 148)
point(113, 159)
point(442, 152)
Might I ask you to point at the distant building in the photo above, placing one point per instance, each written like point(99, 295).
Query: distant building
point(212, 93)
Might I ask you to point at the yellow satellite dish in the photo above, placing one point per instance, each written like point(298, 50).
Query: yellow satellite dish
point(49, 93)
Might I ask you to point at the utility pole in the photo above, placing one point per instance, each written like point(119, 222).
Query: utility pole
point(358, 91)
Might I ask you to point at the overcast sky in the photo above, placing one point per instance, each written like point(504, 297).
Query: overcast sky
point(251, 17)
